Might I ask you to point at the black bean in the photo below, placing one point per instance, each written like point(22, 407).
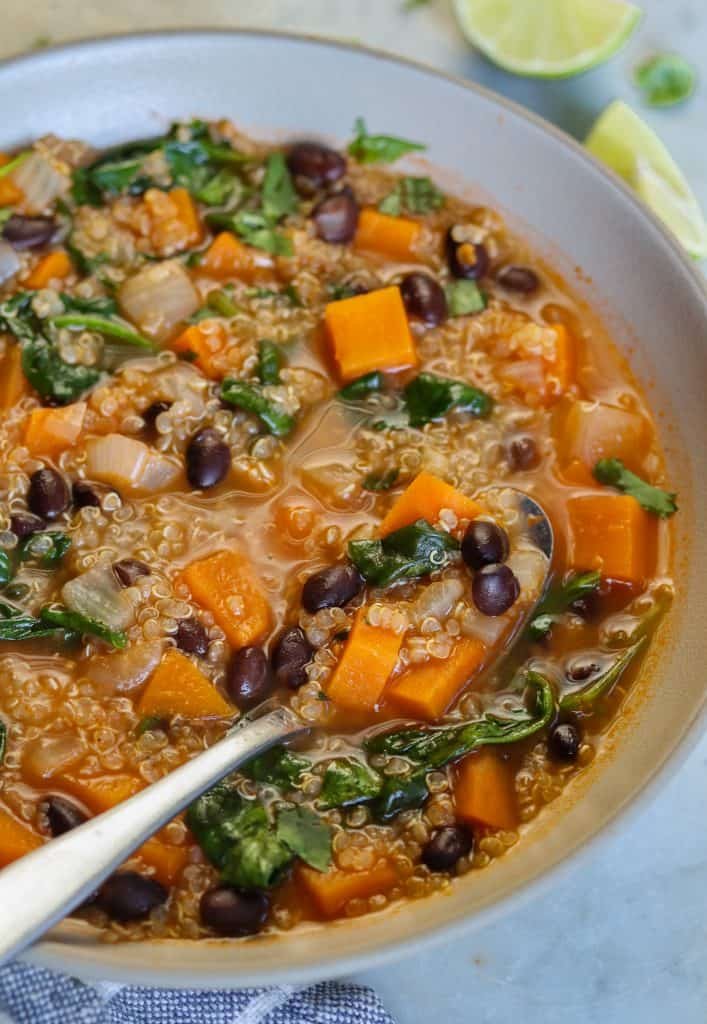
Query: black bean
point(446, 847)
point(249, 679)
point(129, 570)
point(153, 411)
point(62, 814)
point(192, 637)
point(494, 589)
point(208, 458)
point(336, 217)
point(28, 232)
point(484, 544)
point(291, 654)
point(24, 524)
point(581, 668)
point(48, 495)
point(88, 494)
point(333, 587)
point(518, 279)
point(313, 166)
point(522, 453)
point(424, 298)
point(563, 742)
point(234, 911)
point(468, 260)
point(128, 896)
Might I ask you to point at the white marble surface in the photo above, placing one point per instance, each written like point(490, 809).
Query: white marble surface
point(621, 939)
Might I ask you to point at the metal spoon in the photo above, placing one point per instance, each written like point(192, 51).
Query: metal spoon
point(44, 886)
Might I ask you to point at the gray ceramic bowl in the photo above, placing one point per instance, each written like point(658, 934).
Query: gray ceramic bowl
point(609, 248)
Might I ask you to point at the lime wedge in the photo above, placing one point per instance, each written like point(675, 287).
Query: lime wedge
point(625, 143)
point(547, 38)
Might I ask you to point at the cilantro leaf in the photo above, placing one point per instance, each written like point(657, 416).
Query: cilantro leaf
point(559, 599)
point(653, 499)
point(279, 195)
point(428, 397)
point(412, 195)
point(371, 149)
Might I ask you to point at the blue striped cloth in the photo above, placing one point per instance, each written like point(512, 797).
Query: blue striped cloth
point(32, 995)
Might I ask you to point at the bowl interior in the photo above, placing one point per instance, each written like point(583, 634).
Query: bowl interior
point(585, 223)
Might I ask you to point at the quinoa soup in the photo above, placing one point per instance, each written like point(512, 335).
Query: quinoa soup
point(268, 416)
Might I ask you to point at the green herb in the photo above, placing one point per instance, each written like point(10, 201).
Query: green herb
point(371, 149)
point(558, 600)
point(18, 318)
point(5, 215)
point(251, 398)
point(665, 79)
point(84, 191)
point(220, 301)
point(269, 362)
point(13, 164)
point(51, 376)
point(112, 328)
point(150, 723)
point(277, 767)
point(62, 618)
point(6, 569)
point(83, 263)
point(412, 195)
point(406, 554)
point(293, 296)
point(48, 548)
point(362, 386)
point(224, 187)
point(100, 305)
point(429, 397)
point(259, 858)
point(305, 834)
point(582, 699)
point(374, 482)
point(464, 298)
point(401, 793)
point(341, 291)
point(653, 499)
point(279, 197)
point(433, 748)
point(213, 819)
point(16, 624)
point(348, 782)
point(255, 229)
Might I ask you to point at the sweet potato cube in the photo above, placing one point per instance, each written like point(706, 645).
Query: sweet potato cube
point(370, 332)
point(427, 690)
point(484, 793)
point(100, 792)
point(330, 891)
point(365, 666)
point(228, 257)
point(51, 431)
point(13, 383)
point(55, 266)
point(611, 533)
point(168, 861)
point(226, 584)
point(178, 687)
point(16, 839)
point(562, 364)
point(393, 237)
point(589, 431)
point(425, 498)
point(206, 340)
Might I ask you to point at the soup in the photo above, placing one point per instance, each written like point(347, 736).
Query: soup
point(281, 426)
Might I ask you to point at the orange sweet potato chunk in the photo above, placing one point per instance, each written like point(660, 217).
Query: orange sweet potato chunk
point(13, 383)
point(100, 792)
point(394, 237)
point(228, 257)
point(178, 687)
point(226, 584)
point(16, 839)
point(168, 861)
point(483, 791)
point(206, 340)
point(55, 266)
point(330, 891)
point(369, 332)
point(425, 498)
point(51, 431)
point(365, 666)
point(426, 691)
point(611, 533)
point(562, 365)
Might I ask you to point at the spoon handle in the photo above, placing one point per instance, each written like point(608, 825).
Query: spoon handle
point(47, 884)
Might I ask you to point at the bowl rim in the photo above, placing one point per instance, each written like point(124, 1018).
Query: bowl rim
point(57, 956)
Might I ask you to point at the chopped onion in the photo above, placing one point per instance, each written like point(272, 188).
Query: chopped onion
point(117, 460)
point(9, 261)
point(530, 568)
point(159, 474)
point(437, 599)
point(39, 183)
point(125, 670)
point(592, 431)
point(46, 756)
point(487, 628)
point(97, 594)
point(158, 298)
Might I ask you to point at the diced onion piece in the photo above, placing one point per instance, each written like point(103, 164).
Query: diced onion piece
point(487, 628)
point(129, 465)
point(530, 568)
point(47, 755)
point(97, 594)
point(39, 183)
point(9, 261)
point(591, 431)
point(159, 298)
point(159, 474)
point(437, 600)
point(525, 375)
point(125, 670)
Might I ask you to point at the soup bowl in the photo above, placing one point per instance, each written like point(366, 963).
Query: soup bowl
point(617, 259)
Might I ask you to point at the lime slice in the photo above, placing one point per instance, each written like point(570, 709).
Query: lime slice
point(625, 143)
point(547, 38)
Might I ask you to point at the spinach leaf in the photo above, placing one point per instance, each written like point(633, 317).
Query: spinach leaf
point(16, 624)
point(464, 298)
point(259, 858)
point(653, 499)
point(433, 748)
point(255, 229)
point(371, 149)
point(62, 618)
point(412, 195)
point(583, 698)
point(84, 191)
point(279, 195)
point(51, 376)
point(665, 79)
point(405, 554)
point(224, 187)
point(348, 782)
point(6, 570)
point(341, 291)
point(100, 305)
point(150, 723)
point(112, 327)
point(362, 386)
point(558, 600)
point(18, 318)
point(48, 548)
point(251, 398)
point(429, 397)
point(375, 483)
point(118, 176)
point(277, 767)
point(86, 264)
point(213, 820)
point(187, 164)
point(306, 836)
point(401, 793)
point(269, 361)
